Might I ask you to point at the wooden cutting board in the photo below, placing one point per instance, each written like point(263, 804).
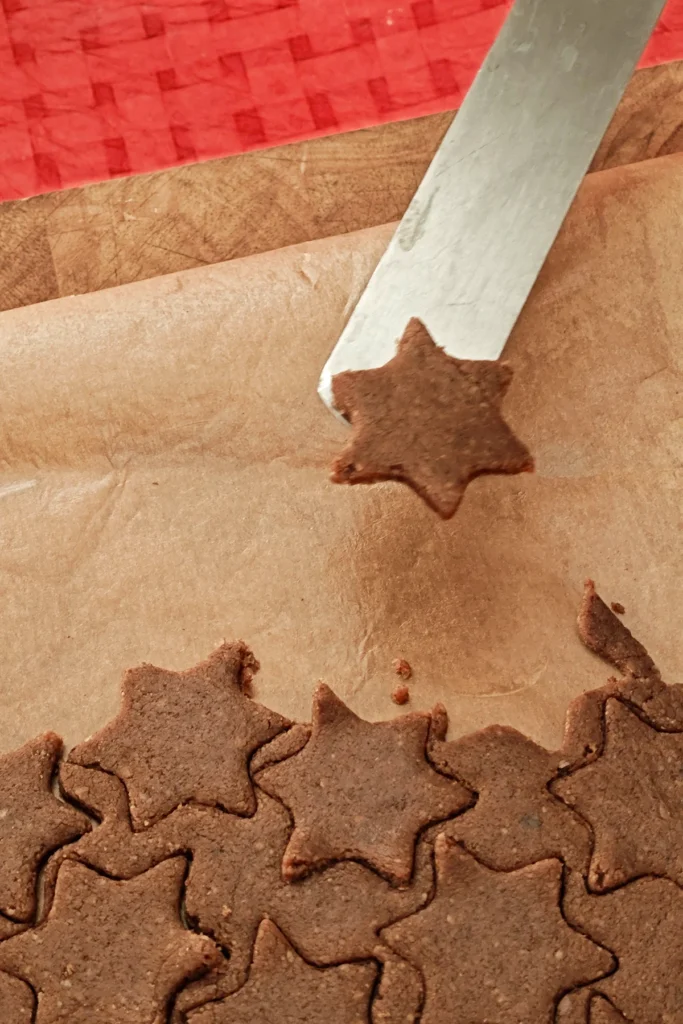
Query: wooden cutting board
point(131, 229)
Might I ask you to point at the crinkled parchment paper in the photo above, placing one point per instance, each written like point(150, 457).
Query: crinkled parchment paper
point(163, 485)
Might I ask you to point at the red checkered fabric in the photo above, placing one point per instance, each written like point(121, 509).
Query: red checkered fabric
point(94, 89)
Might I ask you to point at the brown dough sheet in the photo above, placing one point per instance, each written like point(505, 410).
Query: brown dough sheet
point(9, 927)
point(610, 639)
point(400, 993)
point(228, 902)
point(420, 855)
point(285, 744)
point(642, 686)
point(574, 1008)
point(602, 1012)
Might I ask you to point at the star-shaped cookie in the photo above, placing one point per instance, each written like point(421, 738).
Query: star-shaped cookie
point(110, 950)
point(632, 798)
point(509, 951)
point(642, 923)
point(32, 822)
point(429, 420)
point(284, 988)
point(184, 736)
point(360, 791)
point(515, 821)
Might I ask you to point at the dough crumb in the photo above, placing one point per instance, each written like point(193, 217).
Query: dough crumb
point(402, 668)
point(618, 607)
point(401, 695)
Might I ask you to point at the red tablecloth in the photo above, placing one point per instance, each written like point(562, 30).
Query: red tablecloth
point(94, 89)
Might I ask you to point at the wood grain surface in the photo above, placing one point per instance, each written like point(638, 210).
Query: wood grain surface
point(134, 228)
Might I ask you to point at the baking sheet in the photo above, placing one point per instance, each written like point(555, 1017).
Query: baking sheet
point(163, 486)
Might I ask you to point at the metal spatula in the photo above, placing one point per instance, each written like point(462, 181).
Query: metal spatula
point(473, 240)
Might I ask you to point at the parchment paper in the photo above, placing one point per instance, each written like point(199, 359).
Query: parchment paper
point(163, 486)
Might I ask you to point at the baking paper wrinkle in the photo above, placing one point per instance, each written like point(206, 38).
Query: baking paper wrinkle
point(164, 486)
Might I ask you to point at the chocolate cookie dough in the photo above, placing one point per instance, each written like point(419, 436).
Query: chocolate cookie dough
point(642, 923)
point(8, 927)
point(285, 744)
point(228, 902)
point(400, 993)
point(331, 916)
point(641, 686)
point(632, 798)
point(282, 987)
point(582, 1006)
point(604, 633)
point(110, 950)
point(33, 822)
point(184, 736)
point(428, 420)
point(16, 1001)
point(515, 820)
point(602, 1012)
point(388, 875)
point(574, 1007)
point(360, 791)
point(509, 951)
